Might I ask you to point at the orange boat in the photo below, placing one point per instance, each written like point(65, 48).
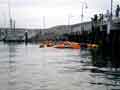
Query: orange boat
point(68, 44)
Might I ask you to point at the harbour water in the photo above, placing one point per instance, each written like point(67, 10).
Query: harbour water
point(27, 67)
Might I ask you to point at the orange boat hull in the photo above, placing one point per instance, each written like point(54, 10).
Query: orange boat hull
point(75, 46)
point(72, 46)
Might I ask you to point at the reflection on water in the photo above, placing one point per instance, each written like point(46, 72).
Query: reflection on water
point(27, 67)
point(105, 57)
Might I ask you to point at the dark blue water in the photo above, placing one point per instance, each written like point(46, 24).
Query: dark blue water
point(27, 67)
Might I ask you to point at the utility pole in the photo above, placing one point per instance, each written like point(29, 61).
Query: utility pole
point(69, 22)
point(9, 12)
point(84, 4)
point(44, 22)
point(111, 8)
point(44, 25)
point(70, 16)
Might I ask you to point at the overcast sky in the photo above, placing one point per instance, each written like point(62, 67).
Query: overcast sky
point(48, 13)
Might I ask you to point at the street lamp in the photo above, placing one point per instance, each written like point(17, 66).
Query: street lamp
point(84, 5)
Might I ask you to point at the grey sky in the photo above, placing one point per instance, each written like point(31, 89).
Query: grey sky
point(29, 13)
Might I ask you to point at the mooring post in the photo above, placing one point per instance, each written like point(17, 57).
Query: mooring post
point(26, 36)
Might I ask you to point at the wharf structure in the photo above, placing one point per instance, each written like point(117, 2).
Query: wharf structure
point(81, 32)
point(94, 31)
